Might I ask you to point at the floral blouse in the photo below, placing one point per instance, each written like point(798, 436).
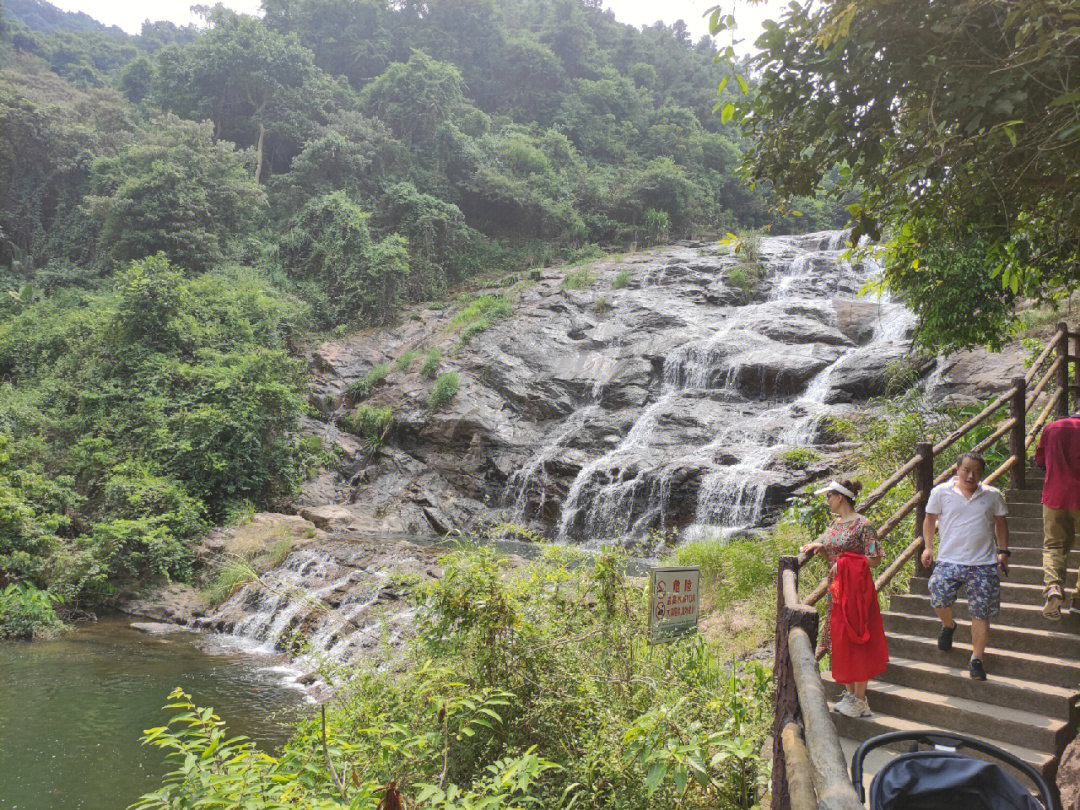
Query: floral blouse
point(855, 535)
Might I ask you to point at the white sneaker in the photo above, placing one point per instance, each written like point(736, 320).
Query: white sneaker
point(855, 708)
point(845, 698)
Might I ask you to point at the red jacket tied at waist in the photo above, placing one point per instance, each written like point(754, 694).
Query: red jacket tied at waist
point(859, 652)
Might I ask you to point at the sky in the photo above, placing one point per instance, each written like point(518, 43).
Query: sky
point(130, 14)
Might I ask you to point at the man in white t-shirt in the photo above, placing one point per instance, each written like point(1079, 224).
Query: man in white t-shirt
point(970, 517)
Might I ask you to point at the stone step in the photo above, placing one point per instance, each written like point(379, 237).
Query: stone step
point(1020, 574)
point(961, 715)
point(1033, 556)
point(861, 728)
point(1012, 693)
point(1023, 538)
point(1020, 665)
point(1020, 594)
point(1023, 496)
point(1025, 510)
point(1002, 637)
point(1029, 616)
point(1025, 526)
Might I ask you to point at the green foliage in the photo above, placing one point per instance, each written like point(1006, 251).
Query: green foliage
point(26, 612)
point(799, 458)
point(446, 388)
point(621, 280)
point(353, 277)
point(971, 188)
point(577, 279)
point(478, 316)
point(227, 579)
point(602, 305)
point(657, 224)
point(432, 360)
point(745, 277)
point(371, 424)
point(361, 388)
point(405, 360)
point(173, 189)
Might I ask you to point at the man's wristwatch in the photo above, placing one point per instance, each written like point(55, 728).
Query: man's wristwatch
point(1004, 551)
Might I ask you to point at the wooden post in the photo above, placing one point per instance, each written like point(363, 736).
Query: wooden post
point(787, 699)
point(787, 695)
point(1062, 409)
point(924, 482)
point(1018, 411)
point(1076, 375)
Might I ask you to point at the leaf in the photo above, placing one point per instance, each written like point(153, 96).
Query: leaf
point(743, 86)
point(727, 113)
point(655, 776)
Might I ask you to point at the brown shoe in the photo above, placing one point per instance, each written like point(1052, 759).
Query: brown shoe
point(1052, 609)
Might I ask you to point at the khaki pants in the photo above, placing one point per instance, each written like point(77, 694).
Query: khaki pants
point(1060, 527)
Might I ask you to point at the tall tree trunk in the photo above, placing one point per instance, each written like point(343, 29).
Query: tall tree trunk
point(259, 163)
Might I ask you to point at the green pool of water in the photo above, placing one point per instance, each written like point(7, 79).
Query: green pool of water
point(72, 710)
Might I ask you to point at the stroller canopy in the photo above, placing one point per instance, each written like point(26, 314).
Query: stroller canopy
point(939, 780)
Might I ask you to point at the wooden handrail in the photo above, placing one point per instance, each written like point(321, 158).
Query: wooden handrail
point(980, 447)
point(972, 423)
point(828, 764)
point(890, 482)
point(797, 768)
point(1038, 389)
point(1051, 344)
point(1042, 419)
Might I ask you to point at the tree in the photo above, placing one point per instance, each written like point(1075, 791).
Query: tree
point(254, 83)
point(960, 124)
point(173, 189)
point(413, 98)
point(328, 243)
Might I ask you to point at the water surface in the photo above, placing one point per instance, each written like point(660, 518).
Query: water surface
point(72, 710)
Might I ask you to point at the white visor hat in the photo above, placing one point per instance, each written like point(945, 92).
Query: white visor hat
point(835, 487)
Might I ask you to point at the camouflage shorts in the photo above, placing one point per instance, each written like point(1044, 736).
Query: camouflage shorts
point(983, 587)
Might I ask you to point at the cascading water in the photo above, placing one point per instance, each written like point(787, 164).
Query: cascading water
point(765, 373)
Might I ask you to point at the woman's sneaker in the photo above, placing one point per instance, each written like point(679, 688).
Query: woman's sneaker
point(855, 708)
point(845, 698)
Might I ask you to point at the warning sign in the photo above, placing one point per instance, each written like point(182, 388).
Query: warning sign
point(673, 595)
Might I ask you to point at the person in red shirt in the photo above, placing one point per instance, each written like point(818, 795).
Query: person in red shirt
point(1059, 454)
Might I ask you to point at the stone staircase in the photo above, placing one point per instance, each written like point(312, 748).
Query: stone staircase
point(1028, 705)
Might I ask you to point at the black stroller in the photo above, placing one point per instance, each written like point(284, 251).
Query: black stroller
point(943, 779)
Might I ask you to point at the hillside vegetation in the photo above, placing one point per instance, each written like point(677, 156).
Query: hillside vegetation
point(181, 209)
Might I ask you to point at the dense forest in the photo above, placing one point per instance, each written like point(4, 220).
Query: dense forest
point(180, 211)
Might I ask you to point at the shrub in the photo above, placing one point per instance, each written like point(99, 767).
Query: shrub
point(799, 458)
point(487, 307)
point(745, 277)
point(228, 578)
point(602, 305)
point(622, 279)
point(431, 364)
point(577, 279)
point(370, 424)
point(446, 388)
point(361, 388)
point(403, 362)
point(27, 612)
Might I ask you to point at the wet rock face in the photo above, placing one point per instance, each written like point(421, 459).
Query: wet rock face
point(664, 406)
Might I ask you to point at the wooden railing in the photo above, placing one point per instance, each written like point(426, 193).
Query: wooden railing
point(809, 769)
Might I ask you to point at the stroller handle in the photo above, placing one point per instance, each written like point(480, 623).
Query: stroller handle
point(949, 740)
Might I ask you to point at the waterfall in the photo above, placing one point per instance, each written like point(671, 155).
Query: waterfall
point(769, 395)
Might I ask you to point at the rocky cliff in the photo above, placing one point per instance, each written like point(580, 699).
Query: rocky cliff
point(661, 394)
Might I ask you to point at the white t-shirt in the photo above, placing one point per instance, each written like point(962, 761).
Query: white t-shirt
point(966, 526)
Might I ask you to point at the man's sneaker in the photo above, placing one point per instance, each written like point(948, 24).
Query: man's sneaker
point(976, 668)
point(1074, 603)
point(1052, 609)
point(855, 708)
point(944, 639)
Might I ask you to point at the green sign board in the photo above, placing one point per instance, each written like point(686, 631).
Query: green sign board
point(673, 602)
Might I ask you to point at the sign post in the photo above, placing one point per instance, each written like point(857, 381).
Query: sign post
point(673, 602)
